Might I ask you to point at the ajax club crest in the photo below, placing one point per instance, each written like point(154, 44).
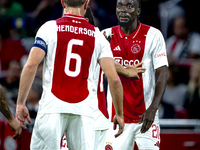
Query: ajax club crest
point(136, 47)
point(108, 146)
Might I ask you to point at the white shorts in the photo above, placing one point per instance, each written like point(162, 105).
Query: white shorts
point(149, 140)
point(100, 138)
point(49, 129)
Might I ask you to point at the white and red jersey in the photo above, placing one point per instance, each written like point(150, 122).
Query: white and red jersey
point(145, 44)
point(72, 47)
point(101, 113)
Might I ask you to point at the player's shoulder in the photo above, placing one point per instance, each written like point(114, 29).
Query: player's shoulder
point(49, 24)
point(154, 31)
point(98, 33)
point(97, 29)
point(151, 30)
point(47, 29)
point(100, 38)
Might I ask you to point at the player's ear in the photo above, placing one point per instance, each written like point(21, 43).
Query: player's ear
point(86, 4)
point(87, 19)
point(63, 4)
point(138, 11)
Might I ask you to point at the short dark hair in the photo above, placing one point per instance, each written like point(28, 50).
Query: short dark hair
point(89, 15)
point(74, 3)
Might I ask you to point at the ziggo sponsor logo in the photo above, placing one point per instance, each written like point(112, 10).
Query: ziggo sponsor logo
point(160, 55)
point(126, 62)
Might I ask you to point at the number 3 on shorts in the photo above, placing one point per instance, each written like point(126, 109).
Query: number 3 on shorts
point(75, 56)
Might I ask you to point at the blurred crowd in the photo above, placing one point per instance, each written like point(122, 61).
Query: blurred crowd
point(177, 20)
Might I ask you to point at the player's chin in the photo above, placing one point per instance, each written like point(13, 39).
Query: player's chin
point(123, 23)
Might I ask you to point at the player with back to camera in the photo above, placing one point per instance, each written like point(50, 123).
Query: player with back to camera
point(71, 48)
point(132, 42)
point(12, 122)
point(101, 124)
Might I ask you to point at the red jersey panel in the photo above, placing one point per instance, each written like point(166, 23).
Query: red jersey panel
point(74, 51)
point(129, 50)
point(101, 95)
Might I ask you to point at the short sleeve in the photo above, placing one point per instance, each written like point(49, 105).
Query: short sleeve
point(102, 45)
point(41, 39)
point(159, 51)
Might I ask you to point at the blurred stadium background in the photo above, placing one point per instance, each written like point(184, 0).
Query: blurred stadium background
point(180, 109)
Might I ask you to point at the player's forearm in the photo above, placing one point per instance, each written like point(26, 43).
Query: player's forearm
point(4, 106)
point(160, 86)
point(26, 80)
point(117, 95)
point(120, 69)
point(108, 66)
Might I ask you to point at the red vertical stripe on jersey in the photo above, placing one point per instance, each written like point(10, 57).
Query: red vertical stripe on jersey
point(131, 52)
point(101, 95)
point(68, 88)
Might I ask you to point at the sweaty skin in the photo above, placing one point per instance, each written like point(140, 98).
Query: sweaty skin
point(127, 14)
point(161, 83)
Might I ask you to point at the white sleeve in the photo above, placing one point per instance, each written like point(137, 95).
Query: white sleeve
point(41, 40)
point(42, 32)
point(43, 35)
point(102, 45)
point(159, 54)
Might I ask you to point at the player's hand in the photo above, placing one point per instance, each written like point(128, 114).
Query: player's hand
point(22, 114)
point(147, 119)
point(134, 71)
point(120, 121)
point(15, 127)
point(107, 37)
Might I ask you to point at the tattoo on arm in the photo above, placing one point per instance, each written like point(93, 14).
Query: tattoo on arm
point(3, 105)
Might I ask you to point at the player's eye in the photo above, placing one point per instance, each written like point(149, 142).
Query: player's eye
point(129, 6)
point(119, 6)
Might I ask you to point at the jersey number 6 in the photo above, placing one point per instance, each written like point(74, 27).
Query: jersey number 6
point(75, 56)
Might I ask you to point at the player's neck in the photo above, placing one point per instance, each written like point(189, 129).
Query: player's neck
point(73, 11)
point(131, 28)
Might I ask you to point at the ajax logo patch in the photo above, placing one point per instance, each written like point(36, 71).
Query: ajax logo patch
point(135, 48)
point(108, 146)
